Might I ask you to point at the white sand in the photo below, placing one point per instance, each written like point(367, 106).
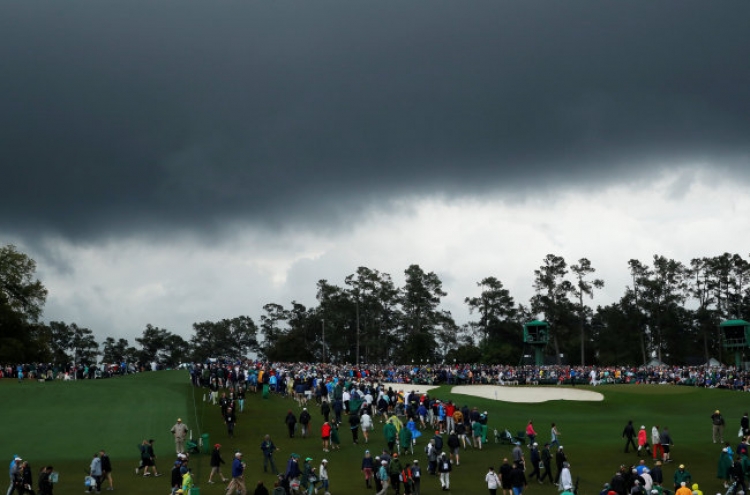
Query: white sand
point(527, 394)
point(508, 394)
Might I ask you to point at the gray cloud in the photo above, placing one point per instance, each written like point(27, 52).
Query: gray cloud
point(153, 116)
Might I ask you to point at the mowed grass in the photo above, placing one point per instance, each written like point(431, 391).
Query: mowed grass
point(65, 423)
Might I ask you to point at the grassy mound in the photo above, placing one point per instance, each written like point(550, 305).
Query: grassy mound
point(63, 424)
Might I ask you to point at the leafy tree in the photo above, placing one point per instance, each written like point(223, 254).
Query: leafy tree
point(422, 321)
point(21, 301)
point(583, 288)
point(375, 299)
point(154, 345)
point(234, 338)
point(501, 339)
point(117, 351)
point(83, 345)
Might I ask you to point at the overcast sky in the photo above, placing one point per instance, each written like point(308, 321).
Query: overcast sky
point(170, 162)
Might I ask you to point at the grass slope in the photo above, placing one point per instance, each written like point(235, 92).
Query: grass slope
point(64, 423)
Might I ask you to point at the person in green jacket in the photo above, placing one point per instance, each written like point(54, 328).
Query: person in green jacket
point(681, 475)
point(404, 440)
point(394, 471)
point(389, 431)
point(724, 469)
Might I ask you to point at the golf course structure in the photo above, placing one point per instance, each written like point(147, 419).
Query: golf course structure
point(64, 423)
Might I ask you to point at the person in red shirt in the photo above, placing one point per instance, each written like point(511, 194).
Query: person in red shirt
point(325, 434)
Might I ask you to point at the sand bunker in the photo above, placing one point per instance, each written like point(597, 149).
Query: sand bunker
point(527, 394)
point(508, 394)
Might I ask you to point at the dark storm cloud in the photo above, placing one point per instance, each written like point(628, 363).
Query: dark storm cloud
point(125, 116)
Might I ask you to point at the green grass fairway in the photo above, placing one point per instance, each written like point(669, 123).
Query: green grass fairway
point(65, 423)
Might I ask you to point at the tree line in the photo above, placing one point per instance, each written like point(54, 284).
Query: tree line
point(670, 310)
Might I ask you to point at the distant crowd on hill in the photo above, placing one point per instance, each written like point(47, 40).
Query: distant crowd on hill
point(726, 377)
point(276, 374)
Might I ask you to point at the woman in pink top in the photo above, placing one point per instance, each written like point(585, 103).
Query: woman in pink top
point(530, 433)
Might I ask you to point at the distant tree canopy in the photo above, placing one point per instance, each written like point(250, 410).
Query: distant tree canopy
point(670, 310)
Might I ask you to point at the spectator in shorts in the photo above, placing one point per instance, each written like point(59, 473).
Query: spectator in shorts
point(106, 469)
point(216, 462)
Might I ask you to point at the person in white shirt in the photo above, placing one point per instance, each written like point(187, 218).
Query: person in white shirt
point(323, 475)
point(493, 481)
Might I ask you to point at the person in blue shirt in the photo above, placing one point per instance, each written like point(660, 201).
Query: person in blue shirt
point(238, 475)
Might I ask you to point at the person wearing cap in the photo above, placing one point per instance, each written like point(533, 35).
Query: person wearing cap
point(323, 475)
point(216, 462)
point(179, 431)
point(268, 448)
point(717, 430)
point(383, 477)
point(682, 476)
point(176, 476)
point(308, 478)
point(444, 468)
point(560, 460)
point(416, 474)
point(15, 467)
point(724, 466)
point(643, 441)
point(238, 476)
point(368, 467)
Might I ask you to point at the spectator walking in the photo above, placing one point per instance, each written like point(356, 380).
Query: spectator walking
point(95, 471)
point(505, 471)
point(368, 467)
point(291, 422)
point(268, 448)
point(666, 444)
point(560, 460)
point(304, 421)
point(106, 469)
point(547, 465)
point(216, 462)
point(517, 479)
point(383, 477)
point(238, 476)
point(628, 433)
point(656, 442)
point(45, 481)
point(323, 476)
point(492, 480)
point(445, 468)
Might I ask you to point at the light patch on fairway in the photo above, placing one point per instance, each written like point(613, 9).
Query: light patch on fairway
point(527, 394)
point(408, 387)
